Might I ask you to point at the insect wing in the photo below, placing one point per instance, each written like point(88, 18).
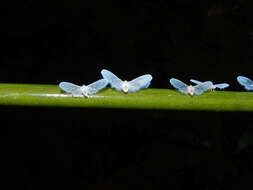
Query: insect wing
point(71, 88)
point(246, 82)
point(182, 87)
point(221, 86)
point(94, 87)
point(196, 81)
point(201, 88)
point(139, 83)
point(112, 79)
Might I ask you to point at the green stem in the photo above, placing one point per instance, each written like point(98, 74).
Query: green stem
point(160, 99)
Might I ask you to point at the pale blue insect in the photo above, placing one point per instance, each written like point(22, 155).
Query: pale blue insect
point(189, 89)
point(84, 90)
point(220, 86)
point(246, 82)
point(127, 86)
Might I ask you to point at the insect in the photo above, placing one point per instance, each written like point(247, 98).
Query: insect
point(246, 82)
point(185, 89)
point(127, 86)
point(220, 86)
point(83, 90)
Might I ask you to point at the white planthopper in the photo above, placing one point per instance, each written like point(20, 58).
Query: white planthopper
point(189, 89)
point(127, 86)
point(83, 91)
point(245, 82)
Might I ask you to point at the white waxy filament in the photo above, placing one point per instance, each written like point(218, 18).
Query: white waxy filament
point(84, 89)
point(125, 86)
point(190, 90)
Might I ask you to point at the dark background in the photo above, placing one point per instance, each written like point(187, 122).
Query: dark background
point(54, 41)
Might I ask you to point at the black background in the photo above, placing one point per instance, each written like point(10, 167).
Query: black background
point(53, 41)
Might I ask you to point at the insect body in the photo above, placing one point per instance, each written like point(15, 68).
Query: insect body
point(84, 90)
point(127, 86)
point(246, 82)
point(213, 86)
point(185, 89)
